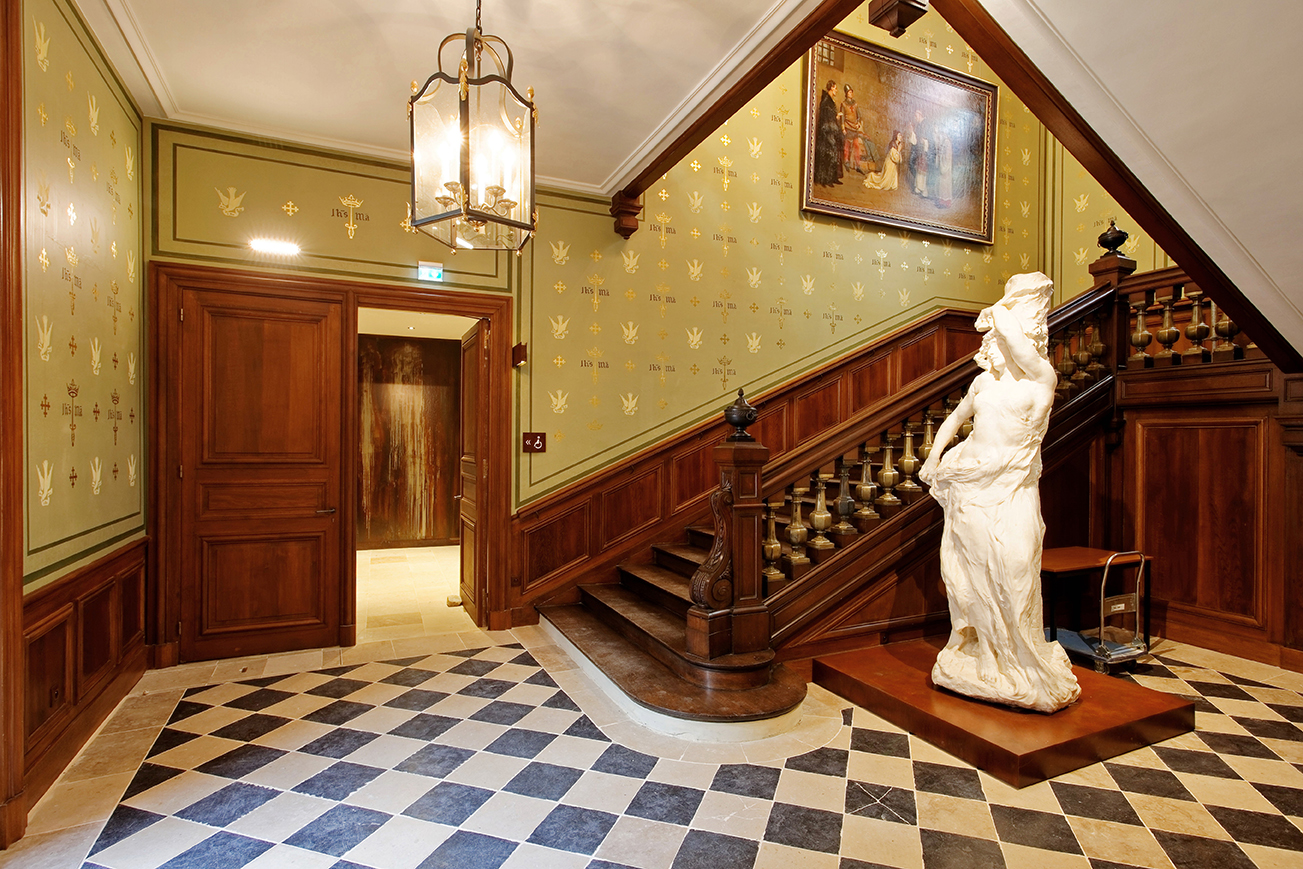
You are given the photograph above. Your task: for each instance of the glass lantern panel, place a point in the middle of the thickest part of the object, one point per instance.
(436, 151)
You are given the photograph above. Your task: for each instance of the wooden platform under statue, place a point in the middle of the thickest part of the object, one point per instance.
(1112, 717)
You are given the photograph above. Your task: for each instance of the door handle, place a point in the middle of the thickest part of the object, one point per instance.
(327, 510)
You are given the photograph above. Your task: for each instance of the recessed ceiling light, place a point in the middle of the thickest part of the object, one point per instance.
(277, 248)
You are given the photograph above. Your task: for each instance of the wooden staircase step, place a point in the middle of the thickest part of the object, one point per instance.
(662, 635)
(652, 685)
(672, 591)
(680, 558)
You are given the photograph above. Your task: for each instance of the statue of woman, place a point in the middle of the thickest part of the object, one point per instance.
(988, 490)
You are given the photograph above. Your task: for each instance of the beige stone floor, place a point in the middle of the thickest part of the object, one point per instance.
(404, 593)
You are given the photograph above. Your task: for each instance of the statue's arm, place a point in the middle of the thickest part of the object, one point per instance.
(1022, 351)
(945, 434)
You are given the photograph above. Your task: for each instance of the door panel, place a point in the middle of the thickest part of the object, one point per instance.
(260, 409)
(474, 452)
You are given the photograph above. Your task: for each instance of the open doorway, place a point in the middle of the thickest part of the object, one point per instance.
(408, 526)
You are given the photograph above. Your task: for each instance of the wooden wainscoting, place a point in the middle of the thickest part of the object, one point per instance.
(591, 526)
(85, 649)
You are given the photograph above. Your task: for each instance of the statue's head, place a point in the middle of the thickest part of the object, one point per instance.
(1028, 297)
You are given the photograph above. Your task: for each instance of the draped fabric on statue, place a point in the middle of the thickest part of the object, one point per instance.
(991, 562)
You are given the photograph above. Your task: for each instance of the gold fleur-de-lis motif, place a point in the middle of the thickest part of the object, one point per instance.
(754, 144)
(663, 220)
(131, 165)
(44, 260)
(43, 194)
(1082, 202)
(596, 280)
(724, 362)
(695, 202)
(694, 337)
(725, 162)
(42, 45)
(229, 203)
(595, 354)
(630, 261)
(560, 253)
(68, 79)
(558, 401)
(560, 326)
(94, 112)
(352, 203)
(630, 403)
(694, 269)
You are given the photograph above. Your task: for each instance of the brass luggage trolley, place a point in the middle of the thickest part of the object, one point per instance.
(1110, 644)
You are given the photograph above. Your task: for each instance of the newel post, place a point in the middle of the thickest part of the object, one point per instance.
(1112, 268)
(729, 613)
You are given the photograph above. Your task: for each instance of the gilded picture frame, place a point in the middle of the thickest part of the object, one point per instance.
(894, 140)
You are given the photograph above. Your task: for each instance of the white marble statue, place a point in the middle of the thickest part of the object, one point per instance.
(987, 487)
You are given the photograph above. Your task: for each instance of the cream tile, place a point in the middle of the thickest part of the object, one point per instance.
(72, 804)
(297, 706)
(289, 770)
(509, 816)
(1270, 858)
(239, 668)
(884, 842)
(110, 753)
(897, 772)
(367, 651)
(1095, 776)
(954, 815)
(529, 856)
(1232, 793)
(1038, 797)
(400, 843)
(281, 817)
(1244, 708)
(197, 751)
(1119, 843)
(641, 843)
(156, 844)
(775, 856)
(811, 790)
(58, 849)
(1176, 816)
(1022, 857)
(471, 734)
(143, 710)
(687, 774)
(572, 751)
(602, 791)
(178, 792)
(183, 676)
(921, 750)
(381, 719)
(1263, 771)
(732, 815)
(386, 751)
(391, 791)
(294, 735)
(1288, 749)
(487, 770)
(296, 662)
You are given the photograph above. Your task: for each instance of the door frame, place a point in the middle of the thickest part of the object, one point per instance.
(168, 280)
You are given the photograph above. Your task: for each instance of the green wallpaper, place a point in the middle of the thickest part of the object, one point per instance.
(729, 284)
(84, 373)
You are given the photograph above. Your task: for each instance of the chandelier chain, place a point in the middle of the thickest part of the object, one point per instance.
(478, 28)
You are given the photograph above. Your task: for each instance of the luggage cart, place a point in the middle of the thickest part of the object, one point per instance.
(1109, 645)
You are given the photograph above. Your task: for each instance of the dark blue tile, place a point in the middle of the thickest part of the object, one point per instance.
(603, 864)
(1140, 780)
(586, 729)
(425, 727)
(570, 828)
(882, 802)
(702, 850)
(465, 653)
(502, 712)
(435, 761)
(338, 781)
(448, 803)
(542, 679)
(147, 776)
(561, 700)
(198, 689)
(847, 715)
(619, 760)
(1205, 762)
(474, 668)
(169, 739)
(520, 743)
(1196, 852)
(953, 851)
(251, 727)
(338, 671)
(747, 780)
(672, 804)
(227, 805)
(340, 742)
(953, 781)
(409, 678)
(239, 762)
(406, 662)
(511, 646)
(848, 863)
(1099, 803)
(1044, 830)
(258, 700)
(265, 681)
(416, 700)
(823, 761)
(348, 864)
(125, 821)
(1259, 828)
(543, 780)
(463, 850)
(339, 712)
(337, 689)
(1221, 690)
(489, 689)
(1287, 800)
(1271, 729)
(1234, 743)
(524, 659)
(801, 827)
(185, 709)
(221, 849)
(338, 830)
(880, 742)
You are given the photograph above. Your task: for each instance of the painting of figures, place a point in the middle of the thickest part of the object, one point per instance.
(895, 140)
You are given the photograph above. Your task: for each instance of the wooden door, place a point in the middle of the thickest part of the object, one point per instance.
(260, 402)
(474, 453)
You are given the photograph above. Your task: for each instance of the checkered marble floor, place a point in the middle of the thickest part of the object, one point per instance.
(477, 759)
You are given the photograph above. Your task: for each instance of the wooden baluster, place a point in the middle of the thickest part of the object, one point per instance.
(1168, 334)
(844, 533)
(866, 518)
(1083, 377)
(820, 547)
(888, 477)
(796, 561)
(1226, 331)
(1141, 337)
(772, 551)
(1097, 349)
(908, 489)
(1196, 330)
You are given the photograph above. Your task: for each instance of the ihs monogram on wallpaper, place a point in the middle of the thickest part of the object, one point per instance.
(83, 296)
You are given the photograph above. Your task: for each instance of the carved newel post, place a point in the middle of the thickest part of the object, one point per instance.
(1109, 270)
(729, 613)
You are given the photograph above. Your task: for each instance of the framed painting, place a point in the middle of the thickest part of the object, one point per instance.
(894, 140)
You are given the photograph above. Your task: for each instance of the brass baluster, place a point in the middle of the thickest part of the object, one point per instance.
(1196, 330)
(820, 547)
(888, 477)
(1098, 348)
(795, 560)
(909, 465)
(1067, 368)
(843, 533)
(949, 406)
(866, 517)
(1168, 334)
(1060, 385)
(1226, 330)
(1141, 337)
(770, 551)
(929, 433)
(1082, 359)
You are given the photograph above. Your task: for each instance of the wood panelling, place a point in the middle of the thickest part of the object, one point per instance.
(84, 652)
(254, 583)
(553, 551)
(917, 358)
(1210, 383)
(225, 500)
(629, 508)
(962, 342)
(818, 408)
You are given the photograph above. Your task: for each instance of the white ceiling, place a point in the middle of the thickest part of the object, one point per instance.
(1200, 99)
(412, 324)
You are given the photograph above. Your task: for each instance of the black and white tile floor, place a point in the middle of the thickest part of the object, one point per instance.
(481, 758)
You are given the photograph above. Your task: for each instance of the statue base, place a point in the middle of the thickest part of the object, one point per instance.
(1018, 747)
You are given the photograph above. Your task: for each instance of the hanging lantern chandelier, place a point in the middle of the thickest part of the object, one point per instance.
(473, 149)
